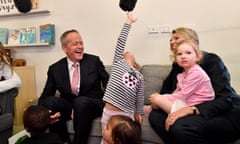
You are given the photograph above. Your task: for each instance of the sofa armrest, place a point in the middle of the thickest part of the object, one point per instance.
(7, 100)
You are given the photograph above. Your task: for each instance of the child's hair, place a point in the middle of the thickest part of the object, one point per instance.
(3, 56)
(195, 47)
(135, 64)
(36, 120)
(125, 130)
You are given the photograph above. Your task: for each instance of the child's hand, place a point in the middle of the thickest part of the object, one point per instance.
(54, 117)
(139, 118)
(154, 99)
(130, 18)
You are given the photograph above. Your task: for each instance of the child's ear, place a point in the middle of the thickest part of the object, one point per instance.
(127, 5)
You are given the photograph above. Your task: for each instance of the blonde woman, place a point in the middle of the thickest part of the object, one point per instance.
(215, 121)
(193, 84)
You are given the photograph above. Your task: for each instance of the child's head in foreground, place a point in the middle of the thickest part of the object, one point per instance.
(36, 120)
(122, 130)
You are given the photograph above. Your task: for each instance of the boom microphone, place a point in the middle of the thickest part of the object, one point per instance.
(127, 5)
(23, 6)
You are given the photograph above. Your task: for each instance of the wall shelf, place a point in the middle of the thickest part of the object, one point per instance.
(9, 46)
(32, 12)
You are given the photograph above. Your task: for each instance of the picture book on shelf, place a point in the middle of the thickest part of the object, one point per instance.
(3, 35)
(28, 35)
(47, 34)
(13, 36)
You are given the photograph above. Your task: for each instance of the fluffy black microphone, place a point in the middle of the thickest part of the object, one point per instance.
(23, 6)
(127, 5)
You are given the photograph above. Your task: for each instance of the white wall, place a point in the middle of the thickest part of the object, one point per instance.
(100, 21)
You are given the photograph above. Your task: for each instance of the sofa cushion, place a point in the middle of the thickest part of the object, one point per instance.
(108, 68)
(154, 76)
(148, 134)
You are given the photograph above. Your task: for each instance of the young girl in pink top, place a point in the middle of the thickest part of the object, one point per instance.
(193, 86)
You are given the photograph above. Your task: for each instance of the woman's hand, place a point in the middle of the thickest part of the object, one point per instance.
(172, 117)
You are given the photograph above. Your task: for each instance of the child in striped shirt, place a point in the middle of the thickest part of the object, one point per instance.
(124, 94)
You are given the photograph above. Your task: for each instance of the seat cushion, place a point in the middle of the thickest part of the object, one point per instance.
(148, 134)
(96, 127)
(6, 121)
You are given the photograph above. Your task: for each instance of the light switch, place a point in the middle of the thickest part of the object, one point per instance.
(153, 30)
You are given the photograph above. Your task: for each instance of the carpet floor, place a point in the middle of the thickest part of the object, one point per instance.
(17, 128)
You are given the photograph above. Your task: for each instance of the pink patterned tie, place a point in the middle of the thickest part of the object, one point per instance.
(75, 79)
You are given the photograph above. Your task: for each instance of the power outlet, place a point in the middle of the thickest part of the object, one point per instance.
(165, 29)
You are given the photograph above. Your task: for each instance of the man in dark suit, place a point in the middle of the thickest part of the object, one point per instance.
(85, 102)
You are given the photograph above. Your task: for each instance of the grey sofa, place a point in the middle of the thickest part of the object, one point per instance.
(153, 75)
(7, 114)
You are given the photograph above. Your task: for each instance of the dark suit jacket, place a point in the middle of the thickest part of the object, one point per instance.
(92, 77)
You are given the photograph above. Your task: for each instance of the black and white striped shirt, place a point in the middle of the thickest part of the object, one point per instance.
(125, 88)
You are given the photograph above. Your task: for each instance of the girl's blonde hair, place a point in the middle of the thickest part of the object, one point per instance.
(193, 45)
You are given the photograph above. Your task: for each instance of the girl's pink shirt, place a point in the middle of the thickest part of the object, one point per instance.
(193, 87)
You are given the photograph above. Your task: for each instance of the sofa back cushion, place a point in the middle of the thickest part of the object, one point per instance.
(154, 75)
(108, 68)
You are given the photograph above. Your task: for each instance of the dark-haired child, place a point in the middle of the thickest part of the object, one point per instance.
(122, 129)
(36, 120)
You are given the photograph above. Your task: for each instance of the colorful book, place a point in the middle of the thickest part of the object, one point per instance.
(28, 35)
(14, 36)
(3, 35)
(47, 34)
